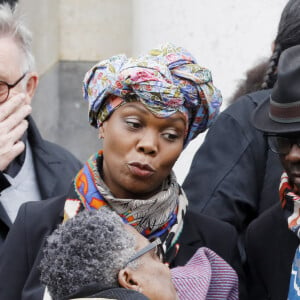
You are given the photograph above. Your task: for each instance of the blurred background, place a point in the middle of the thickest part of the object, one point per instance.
(70, 36)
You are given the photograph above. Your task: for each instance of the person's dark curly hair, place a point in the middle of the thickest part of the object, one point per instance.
(90, 248)
(253, 82)
(288, 35)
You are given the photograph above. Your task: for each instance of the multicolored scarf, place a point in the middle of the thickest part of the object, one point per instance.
(159, 216)
(291, 206)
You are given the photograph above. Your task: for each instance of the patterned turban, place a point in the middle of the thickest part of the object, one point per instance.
(166, 80)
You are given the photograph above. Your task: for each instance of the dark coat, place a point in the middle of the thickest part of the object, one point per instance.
(54, 166)
(111, 293)
(270, 248)
(234, 176)
(36, 220)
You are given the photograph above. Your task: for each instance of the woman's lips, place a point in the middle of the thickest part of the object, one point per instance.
(141, 170)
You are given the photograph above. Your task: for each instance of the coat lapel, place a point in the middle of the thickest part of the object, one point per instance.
(287, 244)
(45, 164)
(4, 217)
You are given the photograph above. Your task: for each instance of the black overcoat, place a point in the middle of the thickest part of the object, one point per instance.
(234, 176)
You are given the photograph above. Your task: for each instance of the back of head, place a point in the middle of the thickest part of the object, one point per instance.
(288, 35)
(11, 26)
(86, 250)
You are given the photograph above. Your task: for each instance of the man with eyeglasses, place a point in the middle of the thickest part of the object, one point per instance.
(272, 240)
(31, 169)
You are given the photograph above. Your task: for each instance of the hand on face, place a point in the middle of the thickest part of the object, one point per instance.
(13, 112)
(16, 107)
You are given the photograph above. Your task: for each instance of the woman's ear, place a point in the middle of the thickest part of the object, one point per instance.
(101, 132)
(129, 280)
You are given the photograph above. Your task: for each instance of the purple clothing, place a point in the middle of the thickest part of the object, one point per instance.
(205, 276)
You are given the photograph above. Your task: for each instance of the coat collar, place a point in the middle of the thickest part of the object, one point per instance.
(44, 161)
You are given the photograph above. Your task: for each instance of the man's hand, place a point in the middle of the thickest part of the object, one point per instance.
(12, 127)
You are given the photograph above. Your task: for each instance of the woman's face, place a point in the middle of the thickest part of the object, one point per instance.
(140, 150)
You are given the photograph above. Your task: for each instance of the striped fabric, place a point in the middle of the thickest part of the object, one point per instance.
(205, 276)
(290, 202)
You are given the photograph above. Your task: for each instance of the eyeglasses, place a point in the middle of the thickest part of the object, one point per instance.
(282, 144)
(6, 87)
(157, 244)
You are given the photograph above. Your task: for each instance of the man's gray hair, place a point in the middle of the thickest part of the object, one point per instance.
(91, 247)
(11, 25)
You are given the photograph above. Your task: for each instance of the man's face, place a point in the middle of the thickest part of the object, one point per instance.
(291, 160)
(10, 66)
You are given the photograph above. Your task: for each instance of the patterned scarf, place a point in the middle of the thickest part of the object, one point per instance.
(159, 216)
(291, 207)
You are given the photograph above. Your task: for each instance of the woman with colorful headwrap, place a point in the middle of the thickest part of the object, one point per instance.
(146, 110)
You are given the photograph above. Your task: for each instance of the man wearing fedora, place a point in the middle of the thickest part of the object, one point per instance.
(272, 240)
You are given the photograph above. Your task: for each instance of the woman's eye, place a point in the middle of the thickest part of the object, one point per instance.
(133, 124)
(171, 136)
(155, 255)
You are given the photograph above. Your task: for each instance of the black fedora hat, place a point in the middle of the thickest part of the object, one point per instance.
(280, 113)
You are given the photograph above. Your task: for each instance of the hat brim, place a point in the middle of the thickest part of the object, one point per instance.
(261, 120)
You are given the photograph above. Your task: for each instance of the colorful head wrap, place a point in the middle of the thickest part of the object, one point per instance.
(166, 80)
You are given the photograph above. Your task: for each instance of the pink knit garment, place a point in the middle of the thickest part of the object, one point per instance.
(205, 276)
